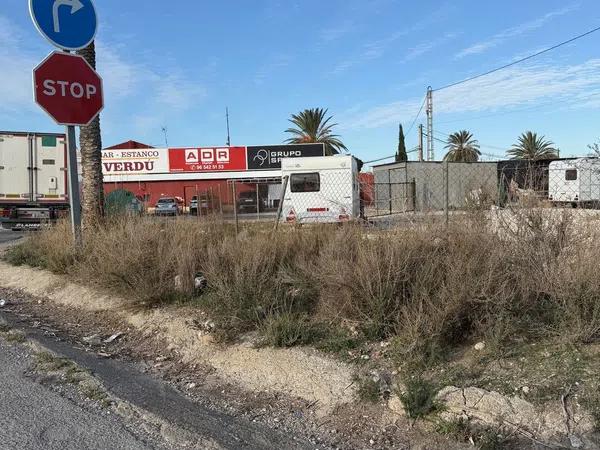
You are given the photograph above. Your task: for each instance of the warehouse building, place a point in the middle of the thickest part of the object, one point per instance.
(421, 185)
(206, 172)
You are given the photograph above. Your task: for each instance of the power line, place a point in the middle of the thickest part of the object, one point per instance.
(493, 147)
(516, 111)
(393, 156)
(519, 60)
(417, 116)
(492, 155)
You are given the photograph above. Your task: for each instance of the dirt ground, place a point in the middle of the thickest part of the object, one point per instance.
(349, 426)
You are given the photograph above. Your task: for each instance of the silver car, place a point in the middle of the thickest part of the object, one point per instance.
(167, 206)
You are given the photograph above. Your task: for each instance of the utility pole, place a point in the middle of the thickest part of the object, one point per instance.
(430, 151)
(228, 136)
(420, 152)
(164, 130)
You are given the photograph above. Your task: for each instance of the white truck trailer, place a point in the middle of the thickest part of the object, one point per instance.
(321, 189)
(33, 179)
(575, 181)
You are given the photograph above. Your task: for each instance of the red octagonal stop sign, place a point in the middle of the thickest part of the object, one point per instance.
(68, 89)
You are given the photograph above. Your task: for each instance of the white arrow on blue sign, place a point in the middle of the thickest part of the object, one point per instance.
(67, 24)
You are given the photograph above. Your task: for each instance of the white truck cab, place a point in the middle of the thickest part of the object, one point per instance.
(321, 189)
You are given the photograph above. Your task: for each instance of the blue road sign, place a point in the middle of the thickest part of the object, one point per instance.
(67, 24)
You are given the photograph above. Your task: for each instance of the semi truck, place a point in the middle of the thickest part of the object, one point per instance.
(33, 179)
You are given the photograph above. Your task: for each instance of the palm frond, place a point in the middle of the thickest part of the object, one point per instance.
(313, 125)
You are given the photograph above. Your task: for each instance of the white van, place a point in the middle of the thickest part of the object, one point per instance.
(575, 181)
(321, 189)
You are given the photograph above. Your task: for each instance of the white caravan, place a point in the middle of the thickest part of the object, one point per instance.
(321, 189)
(575, 181)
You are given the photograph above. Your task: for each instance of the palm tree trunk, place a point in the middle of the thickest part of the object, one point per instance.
(90, 143)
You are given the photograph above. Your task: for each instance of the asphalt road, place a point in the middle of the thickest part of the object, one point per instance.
(34, 417)
(9, 236)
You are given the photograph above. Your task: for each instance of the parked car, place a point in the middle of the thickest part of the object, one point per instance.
(194, 206)
(247, 202)
(205, 205)
(168, 206)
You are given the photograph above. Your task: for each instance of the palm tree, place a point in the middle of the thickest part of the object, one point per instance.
(312, 126)
(90, 143)
(532, 147)
(462, 147)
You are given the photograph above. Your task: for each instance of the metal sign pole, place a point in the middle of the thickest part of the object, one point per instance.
(281, 200)
(74, 200)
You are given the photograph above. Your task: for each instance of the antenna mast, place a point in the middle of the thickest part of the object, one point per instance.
(228, 136)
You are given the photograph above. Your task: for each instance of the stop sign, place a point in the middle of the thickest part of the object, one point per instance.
(68, 89)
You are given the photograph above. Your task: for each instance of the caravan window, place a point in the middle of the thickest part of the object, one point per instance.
(571, 174)
(305, 182)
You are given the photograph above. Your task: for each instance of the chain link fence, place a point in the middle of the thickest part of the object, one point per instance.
(407, 193)
(446, 190)
(328, 196)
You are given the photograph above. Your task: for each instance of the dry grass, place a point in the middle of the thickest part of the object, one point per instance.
(429, 290)
(50, 249)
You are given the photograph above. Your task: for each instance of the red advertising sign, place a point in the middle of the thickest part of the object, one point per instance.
(209, 159)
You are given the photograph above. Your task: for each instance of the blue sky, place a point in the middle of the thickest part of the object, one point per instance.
(178, 64)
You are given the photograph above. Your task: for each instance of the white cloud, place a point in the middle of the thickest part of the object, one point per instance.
(16, 87)
(120, 77)
(369, 51)
(124, 81)
(427, 46)
(375, 49)
(515, 31)
(516, 86)
(267, 69)
(338, 31)
(177, 93)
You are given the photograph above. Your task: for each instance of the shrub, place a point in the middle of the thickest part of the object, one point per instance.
(419, 398)
(26, 253)
(50, 248)
(368, 389)
(288, 330)
(430, 290)
(140, 258)
(261, 277)
(458, 428)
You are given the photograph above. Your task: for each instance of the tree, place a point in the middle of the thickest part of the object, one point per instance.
(401, 153)
(90, 144)
(532, 147)
(595, 148)
(312, 126)
(462, 147)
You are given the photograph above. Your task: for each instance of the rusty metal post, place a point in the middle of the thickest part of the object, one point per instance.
(257, 203)
(220, 201)
(235, 212)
